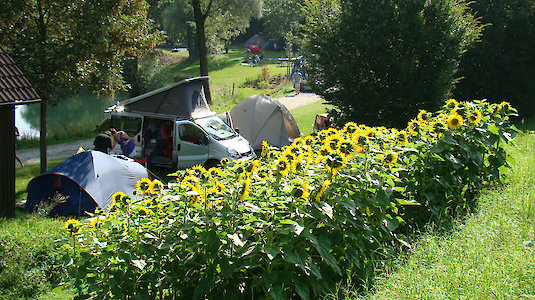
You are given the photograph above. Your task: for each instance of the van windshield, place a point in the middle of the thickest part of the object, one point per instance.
(216, 128)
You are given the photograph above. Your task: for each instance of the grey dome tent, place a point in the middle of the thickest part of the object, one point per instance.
(260, 118)
(82, 183)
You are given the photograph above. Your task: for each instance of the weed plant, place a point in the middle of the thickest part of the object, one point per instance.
(297, 221)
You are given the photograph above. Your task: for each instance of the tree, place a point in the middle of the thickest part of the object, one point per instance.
(379, 62)
(281, 16)
(61, 45)
(220, 19)
(502, 66)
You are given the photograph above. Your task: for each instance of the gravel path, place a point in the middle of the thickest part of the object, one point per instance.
(31, 156)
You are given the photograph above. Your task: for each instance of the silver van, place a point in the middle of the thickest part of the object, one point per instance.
(174, 127)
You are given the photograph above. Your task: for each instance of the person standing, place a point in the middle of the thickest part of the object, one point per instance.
(103, 142)
(297, 77)
(127, 144)
(17, 135)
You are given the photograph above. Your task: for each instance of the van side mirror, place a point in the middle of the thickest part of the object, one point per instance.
(237, 130)
(204, 140)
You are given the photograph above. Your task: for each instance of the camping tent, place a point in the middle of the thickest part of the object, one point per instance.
(82, 182)
(260, 118)
(259, 39)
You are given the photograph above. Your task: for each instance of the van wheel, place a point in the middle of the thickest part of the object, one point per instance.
(211, 163)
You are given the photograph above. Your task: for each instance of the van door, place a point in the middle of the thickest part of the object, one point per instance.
(131, 124)
(191, 145)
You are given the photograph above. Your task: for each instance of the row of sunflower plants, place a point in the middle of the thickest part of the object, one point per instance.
(296, 221)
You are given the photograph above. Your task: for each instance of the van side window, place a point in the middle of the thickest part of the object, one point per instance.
(190, 133)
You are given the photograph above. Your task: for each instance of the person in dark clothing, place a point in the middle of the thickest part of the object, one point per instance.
(103, 142)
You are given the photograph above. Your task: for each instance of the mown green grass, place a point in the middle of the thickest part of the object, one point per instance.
(490, 256)
(304, 116)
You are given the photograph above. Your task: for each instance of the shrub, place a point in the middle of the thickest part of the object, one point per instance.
(379, 63)
(296, 221)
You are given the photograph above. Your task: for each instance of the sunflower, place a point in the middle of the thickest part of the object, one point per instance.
(119, 199)
(157, 186)
(504, 107)
(265, 149)
(414, 127)
(219, 187)
(301, 191)
(454, 121)
(96, 223)
(474, 116)
(145, 211)
(214, 172)
(335, 164)
(144, 185)
(73, 226)
(401, 137)
(370, 132)
(332, 143)
(423, 116)
(246, 188)
(350, 127)
(283, 165)
(390, 159)
(322, 189)
(452, 105)
(347, 148)
(309, 141)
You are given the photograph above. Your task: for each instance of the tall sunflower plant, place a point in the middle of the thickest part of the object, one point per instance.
(297, 220)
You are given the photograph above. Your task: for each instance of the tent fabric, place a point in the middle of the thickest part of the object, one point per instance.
(83, 182)
(183, 99)
(260, 118)
(258, 39)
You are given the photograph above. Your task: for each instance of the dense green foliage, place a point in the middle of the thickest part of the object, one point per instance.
(297, 221)
(502, 66)
(378, 62)
(63, 44)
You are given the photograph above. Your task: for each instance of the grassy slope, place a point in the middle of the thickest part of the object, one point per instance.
(226, 72)
(491, 256)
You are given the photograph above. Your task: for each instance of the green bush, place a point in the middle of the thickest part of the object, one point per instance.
(297, 221)
(380, 62)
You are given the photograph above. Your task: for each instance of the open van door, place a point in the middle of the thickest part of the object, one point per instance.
(191, 145)
(132, 125)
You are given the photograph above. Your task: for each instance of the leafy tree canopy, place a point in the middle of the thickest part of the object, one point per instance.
(282, 16)
(378, 62)
(63, 44)
(502, 66)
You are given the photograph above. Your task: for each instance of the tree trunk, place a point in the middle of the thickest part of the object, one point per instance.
(42, 135)
(192, 45)
(200, 21)
(7, 162)
(44, 92)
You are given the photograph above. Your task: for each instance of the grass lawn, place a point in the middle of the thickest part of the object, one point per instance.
(304, 116)
(490, 256)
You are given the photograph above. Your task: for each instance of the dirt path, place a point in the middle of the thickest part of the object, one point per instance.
(31, 156)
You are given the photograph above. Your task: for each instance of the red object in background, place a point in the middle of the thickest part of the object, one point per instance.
(255, 49)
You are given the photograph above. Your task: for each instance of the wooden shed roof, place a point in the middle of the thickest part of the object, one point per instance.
(14, 88)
